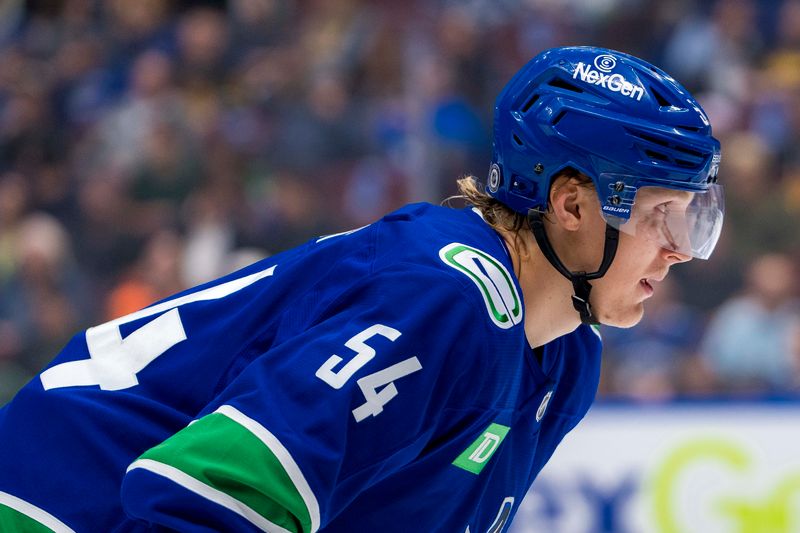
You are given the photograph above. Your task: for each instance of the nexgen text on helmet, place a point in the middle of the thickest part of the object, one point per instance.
(612, 82)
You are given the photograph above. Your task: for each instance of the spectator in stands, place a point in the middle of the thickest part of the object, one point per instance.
(645, 362)
(45, 297)
(753, 342)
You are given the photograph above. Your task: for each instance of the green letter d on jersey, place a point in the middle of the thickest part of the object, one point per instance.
(114, 361)
(491, 277)
(474, 458)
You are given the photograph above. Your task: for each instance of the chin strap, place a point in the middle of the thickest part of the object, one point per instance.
(580, 280)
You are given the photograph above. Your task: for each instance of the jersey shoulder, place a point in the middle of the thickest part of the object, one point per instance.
(457, 249)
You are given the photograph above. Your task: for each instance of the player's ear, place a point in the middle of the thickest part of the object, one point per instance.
(567, 203)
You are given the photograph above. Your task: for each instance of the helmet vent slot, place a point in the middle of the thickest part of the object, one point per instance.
(661, 150)
(529, 103)
(559, 117)
(693, 129)
(517, 140)
(651, 139)
(656, 155)
(564, 84)
(663, 102)
(689, 151)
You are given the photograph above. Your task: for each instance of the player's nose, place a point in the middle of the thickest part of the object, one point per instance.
(674, 257)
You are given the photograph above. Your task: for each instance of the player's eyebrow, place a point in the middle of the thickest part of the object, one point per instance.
(661, 194)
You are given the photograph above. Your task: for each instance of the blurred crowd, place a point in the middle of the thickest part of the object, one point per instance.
(149, 145)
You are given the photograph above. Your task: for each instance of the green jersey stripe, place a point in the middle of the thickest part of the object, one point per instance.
(19, 515)
(235, 455)
(281, 454)
(210, 493)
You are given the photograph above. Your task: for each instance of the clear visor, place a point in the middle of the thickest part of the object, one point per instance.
(680, 221)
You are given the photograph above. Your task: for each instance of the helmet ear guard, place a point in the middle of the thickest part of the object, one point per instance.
(616, 119)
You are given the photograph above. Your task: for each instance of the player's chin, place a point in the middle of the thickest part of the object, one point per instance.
(623, 316)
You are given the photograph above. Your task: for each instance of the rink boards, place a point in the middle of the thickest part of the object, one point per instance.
(712, 467)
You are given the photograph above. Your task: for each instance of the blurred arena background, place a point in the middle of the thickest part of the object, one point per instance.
(149, 145)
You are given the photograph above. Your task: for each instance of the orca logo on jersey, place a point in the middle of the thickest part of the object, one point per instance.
(490, 276)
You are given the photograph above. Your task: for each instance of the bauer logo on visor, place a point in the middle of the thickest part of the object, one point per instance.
(686, 222)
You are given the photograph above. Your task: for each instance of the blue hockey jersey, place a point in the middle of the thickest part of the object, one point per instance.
(375, 380)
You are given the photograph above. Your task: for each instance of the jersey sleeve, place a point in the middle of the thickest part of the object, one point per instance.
(314, 421)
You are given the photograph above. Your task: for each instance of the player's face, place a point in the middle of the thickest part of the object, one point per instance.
(640, 263)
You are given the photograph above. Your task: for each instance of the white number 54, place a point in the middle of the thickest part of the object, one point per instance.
(375, 399)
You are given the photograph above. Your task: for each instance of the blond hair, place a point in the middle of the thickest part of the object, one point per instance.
(500, 216)
(497, 214)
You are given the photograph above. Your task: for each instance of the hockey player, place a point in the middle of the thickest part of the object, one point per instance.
(411, 375)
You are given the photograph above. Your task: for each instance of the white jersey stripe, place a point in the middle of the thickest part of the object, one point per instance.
(283, 455)
(210, 493)
(215, 292)
(34, 513)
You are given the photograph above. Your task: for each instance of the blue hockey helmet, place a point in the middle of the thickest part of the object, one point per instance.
(625, 124)
(613, 117)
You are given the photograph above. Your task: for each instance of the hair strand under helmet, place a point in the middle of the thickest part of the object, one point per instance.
(613, 117)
